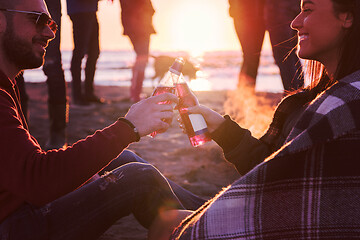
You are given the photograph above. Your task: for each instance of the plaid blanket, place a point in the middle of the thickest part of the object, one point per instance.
(309, 189)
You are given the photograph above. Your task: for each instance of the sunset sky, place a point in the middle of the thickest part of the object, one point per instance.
(185, 25)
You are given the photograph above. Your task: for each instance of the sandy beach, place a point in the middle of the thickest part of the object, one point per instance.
(202, 170)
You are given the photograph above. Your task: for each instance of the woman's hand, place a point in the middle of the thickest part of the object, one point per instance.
(149, 116)
(212, 118)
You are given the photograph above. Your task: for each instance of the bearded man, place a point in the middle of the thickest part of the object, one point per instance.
(43, 194)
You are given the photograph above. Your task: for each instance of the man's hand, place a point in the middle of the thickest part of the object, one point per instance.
(148, 116)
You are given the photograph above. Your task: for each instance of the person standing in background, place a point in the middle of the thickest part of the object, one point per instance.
(58, 107)
(136, 18)
(250, 28)
(251, 20)
(86, 42)
(57, 100)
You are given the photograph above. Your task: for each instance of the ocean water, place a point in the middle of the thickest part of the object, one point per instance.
(219, 70)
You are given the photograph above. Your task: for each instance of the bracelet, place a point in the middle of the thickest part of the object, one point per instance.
(122, 119)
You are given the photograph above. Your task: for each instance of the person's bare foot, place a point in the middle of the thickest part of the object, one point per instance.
(165, 223)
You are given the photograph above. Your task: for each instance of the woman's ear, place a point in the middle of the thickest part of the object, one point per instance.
(347, 19)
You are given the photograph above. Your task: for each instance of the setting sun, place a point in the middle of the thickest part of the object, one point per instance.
(186, 25)
(198, 26)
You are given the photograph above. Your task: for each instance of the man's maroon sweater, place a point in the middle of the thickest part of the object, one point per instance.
(30, 174)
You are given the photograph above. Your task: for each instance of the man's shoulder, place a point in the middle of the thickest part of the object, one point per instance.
(5, 97)
(5, 82)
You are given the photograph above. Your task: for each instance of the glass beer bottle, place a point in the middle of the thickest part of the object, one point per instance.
(167, 83)
(195, 124)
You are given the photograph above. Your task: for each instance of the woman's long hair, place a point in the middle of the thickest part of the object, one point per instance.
(350, 52)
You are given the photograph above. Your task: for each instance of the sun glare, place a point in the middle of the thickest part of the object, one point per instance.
(193, 26)
(201, 83)
(199, 26)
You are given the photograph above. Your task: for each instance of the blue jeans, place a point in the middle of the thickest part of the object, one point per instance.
(189, 200)
(89, 211)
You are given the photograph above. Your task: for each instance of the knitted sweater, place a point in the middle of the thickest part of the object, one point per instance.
(30, 174)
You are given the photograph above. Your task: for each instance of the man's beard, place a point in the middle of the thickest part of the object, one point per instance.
(19, 51)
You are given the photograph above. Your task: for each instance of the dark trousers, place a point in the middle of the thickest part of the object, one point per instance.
(57, 96)
(251, 21)
(250, 29)
(134, 186)
(53, 64)
(86, 42)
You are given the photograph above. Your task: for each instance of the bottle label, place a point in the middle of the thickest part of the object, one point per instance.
(198, 123)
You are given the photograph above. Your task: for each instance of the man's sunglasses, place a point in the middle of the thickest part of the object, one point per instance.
(42, 19)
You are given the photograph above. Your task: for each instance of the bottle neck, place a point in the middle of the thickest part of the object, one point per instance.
(177, 66)
(186, 97)
(175, 71)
